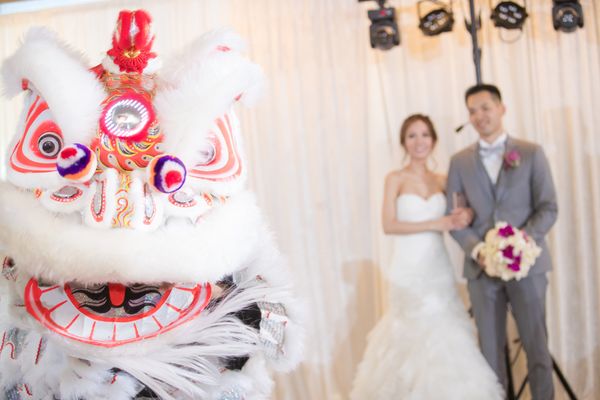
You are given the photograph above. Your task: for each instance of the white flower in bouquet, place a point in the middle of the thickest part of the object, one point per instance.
(508, 252)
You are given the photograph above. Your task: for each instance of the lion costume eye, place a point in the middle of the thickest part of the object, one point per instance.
(49, 144)
(37, 148)
(207, 153)
(221, 158)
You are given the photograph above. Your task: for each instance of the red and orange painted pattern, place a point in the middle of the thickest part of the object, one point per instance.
(26, 157)
(150, 209)
(124, 212)
(210, 198)
(189, 204)
(126, 155)
(100, 200)
(71, 199)
(227, 163)
(9, 345)
(123, 154)
(141, 83)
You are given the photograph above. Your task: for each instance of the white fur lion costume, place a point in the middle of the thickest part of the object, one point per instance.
(136, 265)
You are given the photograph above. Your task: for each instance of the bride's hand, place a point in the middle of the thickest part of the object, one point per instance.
(469, 215)
(462, 217)
(446, 223)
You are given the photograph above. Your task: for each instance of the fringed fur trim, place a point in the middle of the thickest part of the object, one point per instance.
(183, 363)
(273, 268)
(251, 382)
(59, 248)
(60, 75)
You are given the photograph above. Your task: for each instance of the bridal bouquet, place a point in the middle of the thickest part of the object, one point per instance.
(508, 252)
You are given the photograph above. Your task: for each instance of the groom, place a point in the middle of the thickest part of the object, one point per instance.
(505, 179)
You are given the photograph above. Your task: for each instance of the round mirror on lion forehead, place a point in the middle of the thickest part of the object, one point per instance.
(127, 117)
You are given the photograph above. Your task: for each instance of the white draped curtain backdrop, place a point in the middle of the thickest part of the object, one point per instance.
(325, 134)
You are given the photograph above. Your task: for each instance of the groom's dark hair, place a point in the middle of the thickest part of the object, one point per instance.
(484, 87)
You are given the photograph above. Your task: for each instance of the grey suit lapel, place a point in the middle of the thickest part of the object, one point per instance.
(480, 171)
(506, 172)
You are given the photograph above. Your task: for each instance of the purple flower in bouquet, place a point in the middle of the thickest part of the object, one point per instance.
(516, 264)
(508, 252)
(507, 231)
(512, 159)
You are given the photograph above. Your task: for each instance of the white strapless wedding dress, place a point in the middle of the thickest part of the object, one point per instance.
(424, 347)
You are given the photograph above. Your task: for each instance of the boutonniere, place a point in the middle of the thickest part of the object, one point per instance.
(512, 159)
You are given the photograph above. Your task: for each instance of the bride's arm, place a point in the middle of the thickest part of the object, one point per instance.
(463, 216)
(391, 225)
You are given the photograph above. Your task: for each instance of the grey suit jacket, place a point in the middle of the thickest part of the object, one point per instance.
(523, 196)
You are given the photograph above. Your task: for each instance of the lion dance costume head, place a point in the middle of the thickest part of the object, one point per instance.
(135, 263)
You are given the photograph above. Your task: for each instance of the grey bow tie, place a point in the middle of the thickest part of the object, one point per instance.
(497, 149)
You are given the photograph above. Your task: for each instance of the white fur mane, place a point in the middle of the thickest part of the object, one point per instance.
(59, 248)
(200, 85)
(61, 76)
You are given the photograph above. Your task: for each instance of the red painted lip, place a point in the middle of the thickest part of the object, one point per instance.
(59, 310)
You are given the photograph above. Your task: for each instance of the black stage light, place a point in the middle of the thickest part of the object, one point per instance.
(436, 21)
(567, 15)
(383, 31)
(509, 15)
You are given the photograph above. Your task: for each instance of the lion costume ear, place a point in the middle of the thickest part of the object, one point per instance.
(61, 77)
(62, 105)
(194, 104)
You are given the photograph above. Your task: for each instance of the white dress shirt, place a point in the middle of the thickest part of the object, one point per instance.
(492, 161)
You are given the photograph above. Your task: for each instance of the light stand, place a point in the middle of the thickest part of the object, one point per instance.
(511, 390)
(476, 48)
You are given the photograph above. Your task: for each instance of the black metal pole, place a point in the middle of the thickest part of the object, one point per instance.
(563, 380)
(476, 49)
(510, 395)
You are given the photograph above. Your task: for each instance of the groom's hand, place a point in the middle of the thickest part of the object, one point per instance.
(481, 261)
(477, 255)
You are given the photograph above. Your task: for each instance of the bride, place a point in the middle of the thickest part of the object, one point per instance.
(424, 347)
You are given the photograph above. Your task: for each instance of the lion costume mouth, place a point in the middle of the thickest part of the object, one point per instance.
(111, 315)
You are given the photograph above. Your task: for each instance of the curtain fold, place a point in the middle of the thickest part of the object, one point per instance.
(321, 141)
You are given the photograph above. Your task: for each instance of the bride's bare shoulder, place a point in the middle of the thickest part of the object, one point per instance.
(395, 177)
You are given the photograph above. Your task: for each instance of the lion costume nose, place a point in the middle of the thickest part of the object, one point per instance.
(166, 173)
(76, 163)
